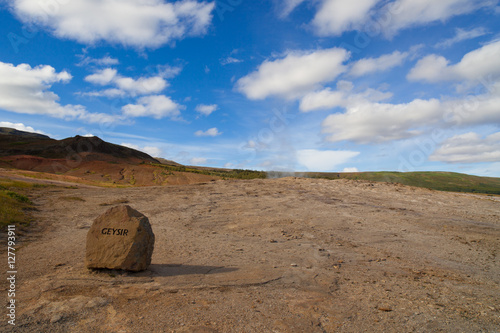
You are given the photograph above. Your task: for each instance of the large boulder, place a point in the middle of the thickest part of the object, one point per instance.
(121, 238)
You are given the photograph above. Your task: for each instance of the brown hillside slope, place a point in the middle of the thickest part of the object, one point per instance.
(90, 159)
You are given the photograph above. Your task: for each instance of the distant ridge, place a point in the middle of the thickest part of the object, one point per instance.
(14, 132)
(14, 142)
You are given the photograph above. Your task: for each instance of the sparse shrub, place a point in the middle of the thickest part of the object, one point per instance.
(18, 197)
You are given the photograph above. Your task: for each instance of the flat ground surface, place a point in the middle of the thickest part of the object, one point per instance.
(278, 255)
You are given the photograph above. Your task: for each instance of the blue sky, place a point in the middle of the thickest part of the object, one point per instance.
(289, 85)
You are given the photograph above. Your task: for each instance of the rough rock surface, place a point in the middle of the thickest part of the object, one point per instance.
(121, 238)
(273, 255)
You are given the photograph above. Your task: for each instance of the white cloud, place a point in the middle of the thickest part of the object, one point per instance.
(475, 65)
(380, 64)
(469, 148)
(324, 160)
(198, 160)
(110, 93)
(210, 132)
(102, 77)
(229, 60)
(20, 127)
(342, 97)
(461, 35)
(336, 16)
(408, 13)
(142, 85)
(153, 151)
(167, 71)
(294, 75)
(24, 89)
(288, 6)
(135, 23)
(322, 100)
(104, 61)
(352, 169)
(206, 109)
(156, 106)
(371, 123)
(128, 86)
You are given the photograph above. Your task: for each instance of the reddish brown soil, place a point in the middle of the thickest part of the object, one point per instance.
(101, 169)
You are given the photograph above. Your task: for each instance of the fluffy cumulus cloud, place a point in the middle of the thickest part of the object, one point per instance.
(380, 64)
(342, 97)
(102, 77)
(367, 120)
(469, 148)
(133, 23)
(125, 86)
(156, 106)
(335, 17)
(324, 160)
(475, 65)
(206, 109)
(26, 89)
(210, 132)
(372, 123)
(19, 127)
(294, 75)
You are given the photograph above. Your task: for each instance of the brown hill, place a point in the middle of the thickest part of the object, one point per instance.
(90, 148)
(89, 159)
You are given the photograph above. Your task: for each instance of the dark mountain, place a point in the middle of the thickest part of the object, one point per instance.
(14, 142)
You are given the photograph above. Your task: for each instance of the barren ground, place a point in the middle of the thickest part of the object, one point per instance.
(282, 255)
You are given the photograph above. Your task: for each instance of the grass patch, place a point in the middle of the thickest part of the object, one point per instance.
(234, 174)
(441, 181)
(19, 197)
(14, 204)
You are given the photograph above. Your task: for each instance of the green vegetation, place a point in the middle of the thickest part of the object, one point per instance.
(14, 204)
(441, 181)
(19, 197)
(235, 173)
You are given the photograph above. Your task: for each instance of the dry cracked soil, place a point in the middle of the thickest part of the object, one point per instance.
(276, 255)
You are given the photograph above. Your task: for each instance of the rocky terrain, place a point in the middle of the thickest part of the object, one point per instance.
(277, 255)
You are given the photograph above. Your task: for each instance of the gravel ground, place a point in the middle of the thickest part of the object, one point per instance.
(278, 255)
